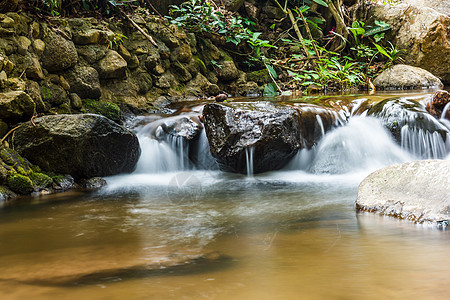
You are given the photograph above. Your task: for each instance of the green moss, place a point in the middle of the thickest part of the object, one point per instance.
(107, 109)
(41, 180)
(260, 77)
(200, 65)
(46, 93)
(64, 109)
(12, 158)
(22, 171)
(20, 184)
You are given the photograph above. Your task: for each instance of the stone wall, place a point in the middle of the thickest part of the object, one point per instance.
(66, 63)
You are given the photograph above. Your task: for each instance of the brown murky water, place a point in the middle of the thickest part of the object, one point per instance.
(273, 239)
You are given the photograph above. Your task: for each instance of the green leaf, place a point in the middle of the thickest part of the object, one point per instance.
(271, 71)
(376, 30)
(270, 90)
(382, 51)
(321, 2)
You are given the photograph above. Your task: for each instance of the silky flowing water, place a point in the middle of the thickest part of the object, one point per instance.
(174, 231)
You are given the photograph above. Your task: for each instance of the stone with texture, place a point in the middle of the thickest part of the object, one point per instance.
(438, 103)
(59, 54)
(228, 72)
(34, 70)
(418, 191)
(16, 105)
(422, 31)
(271, 130)
(112, 66)
(406, 77)
(84, 145)
(84, 81)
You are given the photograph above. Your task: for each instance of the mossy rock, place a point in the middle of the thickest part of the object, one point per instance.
(13, 159)
(41, 180)
(20, 184)
(260, 77)
(107, 109)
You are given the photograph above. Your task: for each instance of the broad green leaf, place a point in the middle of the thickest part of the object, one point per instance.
(382, 51)
(271, 71)
(321, 2)
(270, 90)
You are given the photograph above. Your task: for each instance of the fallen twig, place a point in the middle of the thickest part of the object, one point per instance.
(149, 37)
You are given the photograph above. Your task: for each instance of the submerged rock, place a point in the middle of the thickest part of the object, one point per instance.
(406, 77)
(84, 146)
(270, 131)
(417, 191)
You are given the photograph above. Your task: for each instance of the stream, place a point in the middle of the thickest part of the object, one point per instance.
(178, 230)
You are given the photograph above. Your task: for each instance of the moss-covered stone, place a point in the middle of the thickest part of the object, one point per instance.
(20, 184)
(260, 77)
(107, 109)
(40, 180)
(13, 159)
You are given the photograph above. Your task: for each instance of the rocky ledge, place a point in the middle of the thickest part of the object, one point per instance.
(418, 191)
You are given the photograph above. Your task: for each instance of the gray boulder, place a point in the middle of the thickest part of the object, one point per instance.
(84, 81)
(406, 77)
(59, 54)
(84, 146)
(418, 191)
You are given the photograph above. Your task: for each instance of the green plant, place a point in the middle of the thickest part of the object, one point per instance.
(116, 40)
(392, 53)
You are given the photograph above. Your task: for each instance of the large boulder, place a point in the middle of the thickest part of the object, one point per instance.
(422, 31)
(406, 77)
(59, 54)
(84, 146)
(84, 81)
(16, 105)
(270, 131)
(418, 191)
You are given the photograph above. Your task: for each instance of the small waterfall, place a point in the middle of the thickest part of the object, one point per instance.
(363, 144)
(249, 160)
(204, 159)
(445, 111)
(319, 121)
(424, 144)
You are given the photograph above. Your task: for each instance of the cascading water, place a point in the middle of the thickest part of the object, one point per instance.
(358, 144)
(362, 144)
(249, 160)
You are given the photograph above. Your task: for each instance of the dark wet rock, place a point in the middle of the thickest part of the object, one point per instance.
(84, 81)
(94, 183)
(16, 105)
(184, 126)
(53, 94)
(59, 54)
(401, 116)
(63, 183)
(6, 194)
(418, 191)
(272, 131)
(231, 5)
(438, 103)
(220, 97)
(83, 145)
(406, 77)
